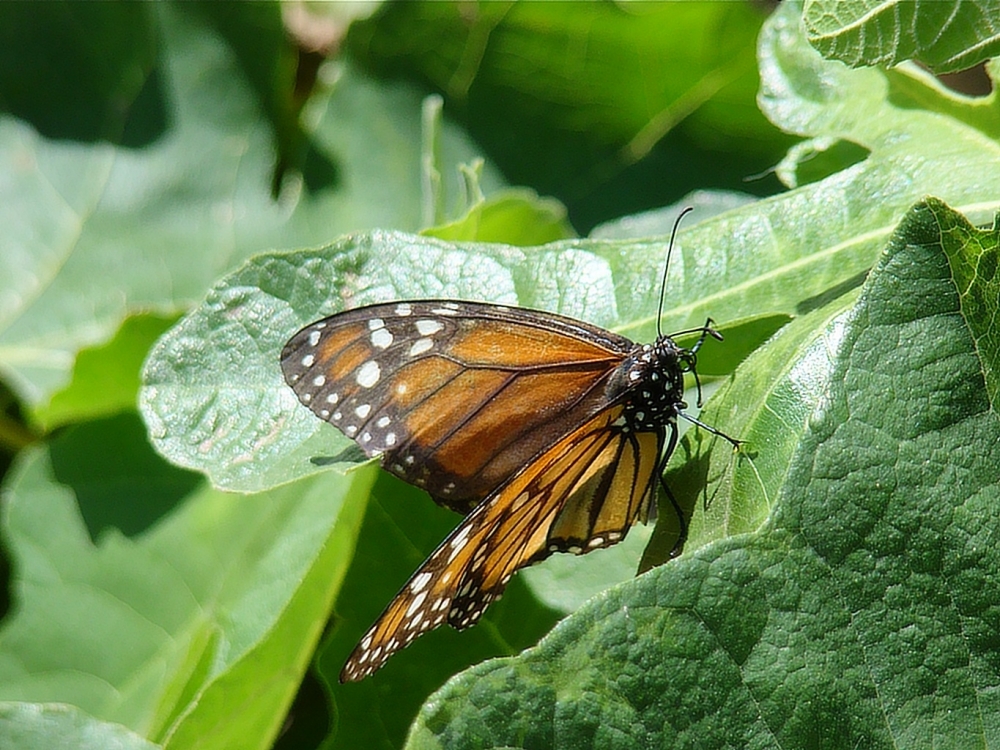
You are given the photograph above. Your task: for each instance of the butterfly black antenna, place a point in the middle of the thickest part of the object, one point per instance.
(666, 267)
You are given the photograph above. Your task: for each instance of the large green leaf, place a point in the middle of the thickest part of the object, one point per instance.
(945, 36)
(152, 175)
(214, 397)
(862, 613)
(148, 600)
(921, 138)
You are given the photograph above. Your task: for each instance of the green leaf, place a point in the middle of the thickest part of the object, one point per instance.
(105, 378)
(27, 726)
(165, 184)
(973, 257)
(861, 612)
(944, 36)
(213, 394)
(146, 599)
(914, 150)
(660, 221)
(515, 217)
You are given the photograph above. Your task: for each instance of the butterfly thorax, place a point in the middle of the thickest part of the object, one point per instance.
(650, 380)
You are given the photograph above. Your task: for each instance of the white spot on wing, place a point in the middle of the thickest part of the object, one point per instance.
(458, 542)
(460, 538)
(429, 327)
(381, 338)
(420, 346)
(403, 309)
(313, 338)
(415, 604)
(383, 421)
(319, 381)
(369, 374)
(419, 582)
(375, 323)
(390, 439)
(308, 360)
(363, 410)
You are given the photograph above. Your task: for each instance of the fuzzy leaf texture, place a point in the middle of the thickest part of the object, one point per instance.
(864, 612)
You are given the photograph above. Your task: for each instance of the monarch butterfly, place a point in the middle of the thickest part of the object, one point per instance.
(548, 432)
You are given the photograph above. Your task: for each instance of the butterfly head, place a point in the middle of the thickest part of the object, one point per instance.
(651, 382)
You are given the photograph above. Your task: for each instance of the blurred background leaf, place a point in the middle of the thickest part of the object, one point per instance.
(166, 183)
(613, 108)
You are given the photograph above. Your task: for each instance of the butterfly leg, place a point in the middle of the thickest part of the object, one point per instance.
(708, 428)
(689, 357)
(682, 526)
(682, 530)
(706, 331)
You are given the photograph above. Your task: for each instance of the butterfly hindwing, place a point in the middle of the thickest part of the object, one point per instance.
(432, 386)
(583, 493)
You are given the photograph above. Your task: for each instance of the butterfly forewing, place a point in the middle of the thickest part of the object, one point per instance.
(584, 492)
(457, 397)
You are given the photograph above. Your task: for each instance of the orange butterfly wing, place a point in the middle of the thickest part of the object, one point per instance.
(583, 493)
(456, 397)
